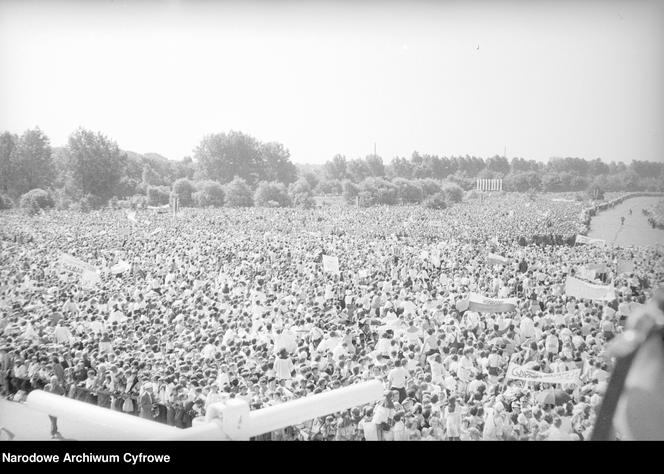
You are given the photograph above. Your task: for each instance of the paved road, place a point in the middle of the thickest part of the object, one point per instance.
(636, 231)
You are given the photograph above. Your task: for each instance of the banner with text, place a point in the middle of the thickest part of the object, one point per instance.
(75, 265)
(495, 259)
(522, 373)
(581, 289)
(482, 304)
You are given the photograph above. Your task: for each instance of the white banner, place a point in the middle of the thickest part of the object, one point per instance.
(90, 279)
(625, 266)
(75, 265)
(494, 259)
(585, 273)
(481, 304)
(120, 267)
(156, 231)
(132, 217)
(582, 239)
(580, 289)
(522, 373)
(330, 264)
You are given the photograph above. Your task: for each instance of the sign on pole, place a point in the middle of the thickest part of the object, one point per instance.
(330, 264)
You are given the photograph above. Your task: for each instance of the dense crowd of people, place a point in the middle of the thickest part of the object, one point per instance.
(235, 303)
(655, 215)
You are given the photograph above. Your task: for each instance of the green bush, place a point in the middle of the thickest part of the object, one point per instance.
(35, 200)
(408, 191)
(238, 194)
(158, 196)
(210, 193)
(183, 189)
(453, 193)
(271, 192)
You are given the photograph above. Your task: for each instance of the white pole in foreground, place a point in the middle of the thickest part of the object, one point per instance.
(237, 422)
(114, 424)
(308, 408)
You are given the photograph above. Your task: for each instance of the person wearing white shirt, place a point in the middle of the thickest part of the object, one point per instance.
(62, 334)
(397, 378)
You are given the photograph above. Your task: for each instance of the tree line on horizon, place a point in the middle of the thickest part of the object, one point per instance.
(236, 169)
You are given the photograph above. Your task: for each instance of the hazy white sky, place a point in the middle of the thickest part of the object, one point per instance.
(549, 78)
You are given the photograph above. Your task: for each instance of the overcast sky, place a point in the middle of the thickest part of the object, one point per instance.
(543, 79)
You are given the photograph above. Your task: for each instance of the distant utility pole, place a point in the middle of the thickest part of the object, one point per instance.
(374, 148)
(505, 152)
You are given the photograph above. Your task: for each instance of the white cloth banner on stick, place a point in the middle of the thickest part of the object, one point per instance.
(75, 265)
(495, 259)
(481, 304)
(156, 231)
(522, 373)
(581, 289)
(120, 267)
(330, 264)
(582, 239)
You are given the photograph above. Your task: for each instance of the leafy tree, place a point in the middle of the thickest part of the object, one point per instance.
(358, 170)
(329, 187)
(336, 168)
(350, 191)
(499, 165)
(221, 156)
(25, 162)
(311, 178)
(183, 189)
(376, 166)
(276, 160)
(401, 167)
(271, 192)
(95, 164)
(150, 177)
(8, 162)
(238, 194)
